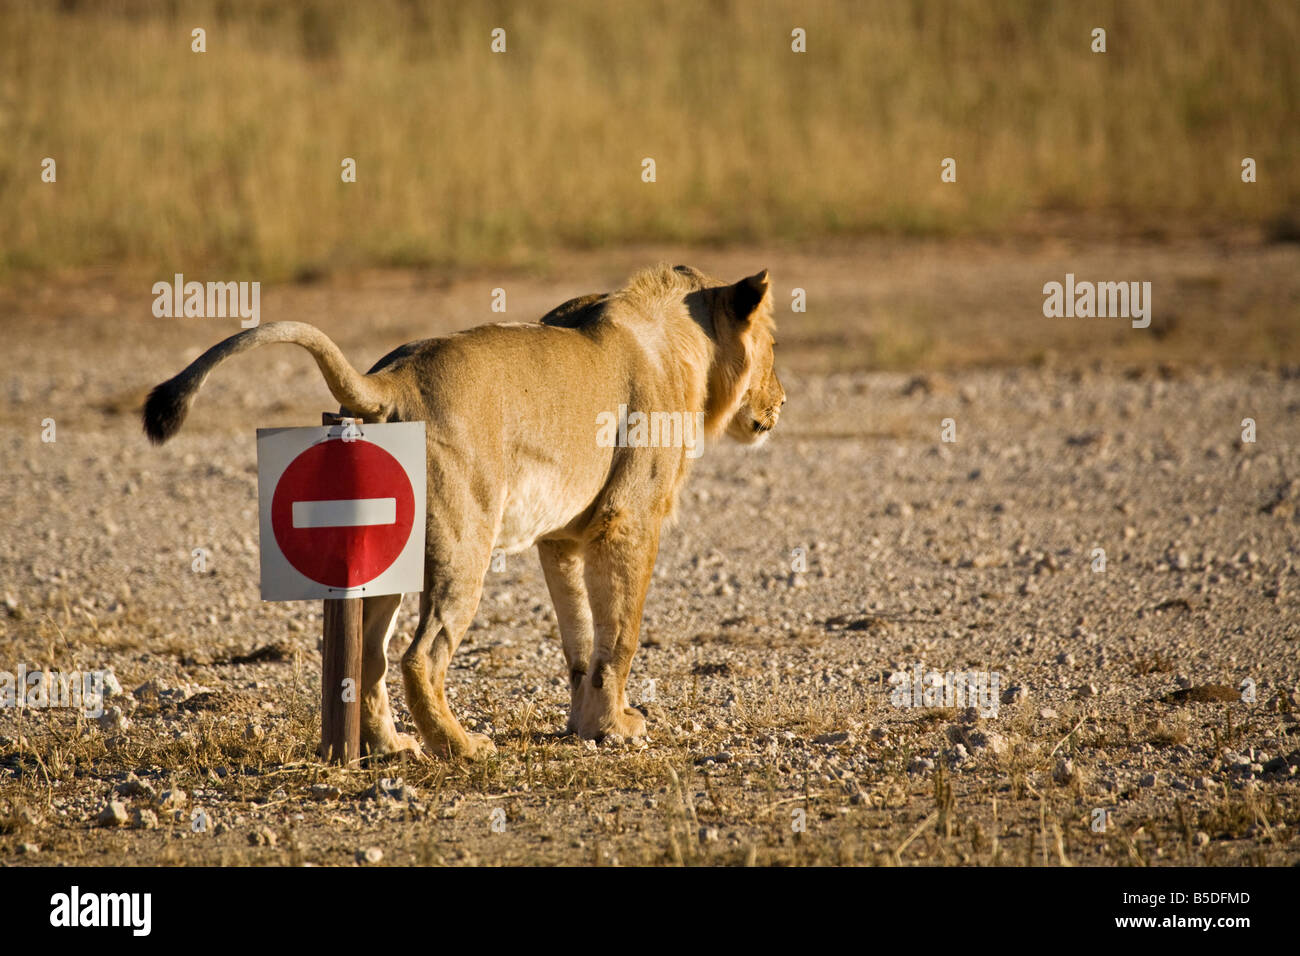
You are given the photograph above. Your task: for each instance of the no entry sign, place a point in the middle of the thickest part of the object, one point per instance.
(342, 510)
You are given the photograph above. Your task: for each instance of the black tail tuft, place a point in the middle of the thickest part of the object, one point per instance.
(164, 411)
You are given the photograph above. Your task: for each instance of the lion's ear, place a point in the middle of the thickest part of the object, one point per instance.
(748, 294)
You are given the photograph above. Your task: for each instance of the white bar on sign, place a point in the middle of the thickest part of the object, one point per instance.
(347, 513)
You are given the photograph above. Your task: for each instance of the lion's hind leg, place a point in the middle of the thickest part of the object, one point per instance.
(447, 606)
(378, 734)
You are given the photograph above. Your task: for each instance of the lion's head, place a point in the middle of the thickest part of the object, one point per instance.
(745, 394)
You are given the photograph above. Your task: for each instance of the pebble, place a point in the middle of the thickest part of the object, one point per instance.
(990, 739)
(113, 815)
(172, 800)
(370, 855)
(386, 788)
(133, 786)
(838, 737)
(114, 721)
(26, 816)
(144, 819)
(150, 689)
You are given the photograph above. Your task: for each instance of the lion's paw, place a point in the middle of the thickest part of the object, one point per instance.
(632, 723)
(627, 722)
(480, 746)
(406, 746)
(475, 747)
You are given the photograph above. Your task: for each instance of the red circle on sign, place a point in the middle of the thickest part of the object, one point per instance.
(336, 545)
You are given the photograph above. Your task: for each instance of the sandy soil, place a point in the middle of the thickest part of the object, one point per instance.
(1158, 696)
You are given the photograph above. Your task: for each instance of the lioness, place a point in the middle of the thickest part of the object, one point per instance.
(511, 416)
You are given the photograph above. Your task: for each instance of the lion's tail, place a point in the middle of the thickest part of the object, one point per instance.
(365, 396)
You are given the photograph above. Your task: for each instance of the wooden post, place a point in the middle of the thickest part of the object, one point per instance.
(340, 704)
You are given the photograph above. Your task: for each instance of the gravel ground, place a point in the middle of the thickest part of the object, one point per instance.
(1146, 713)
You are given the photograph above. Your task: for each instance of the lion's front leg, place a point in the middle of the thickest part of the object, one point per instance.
(562, 565)
(619, 562)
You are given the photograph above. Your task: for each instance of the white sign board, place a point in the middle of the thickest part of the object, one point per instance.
(341, 510)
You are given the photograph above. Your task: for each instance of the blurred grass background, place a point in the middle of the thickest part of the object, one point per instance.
(230, 159)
